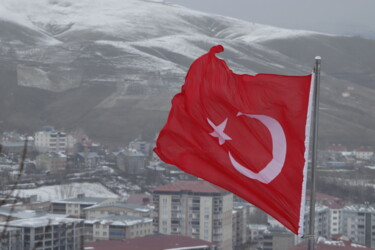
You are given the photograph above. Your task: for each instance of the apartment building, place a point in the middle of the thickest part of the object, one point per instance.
(75, 206)
(117, 227)
(241, 215)
(335, 219)
(322, 221)
(194, 208)
(49, 140)
(358, 223)
(49, 232)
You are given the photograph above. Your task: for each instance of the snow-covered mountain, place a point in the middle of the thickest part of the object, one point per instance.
(112, 66)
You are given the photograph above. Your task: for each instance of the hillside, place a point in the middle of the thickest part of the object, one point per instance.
(111, 68)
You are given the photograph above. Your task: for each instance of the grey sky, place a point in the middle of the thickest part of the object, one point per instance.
(353, 17)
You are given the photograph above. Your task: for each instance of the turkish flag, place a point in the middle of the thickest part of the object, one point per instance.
(247, 134)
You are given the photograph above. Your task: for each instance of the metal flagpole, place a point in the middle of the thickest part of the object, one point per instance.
(311, 243)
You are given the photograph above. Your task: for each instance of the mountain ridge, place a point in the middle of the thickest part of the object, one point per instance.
(114, 76)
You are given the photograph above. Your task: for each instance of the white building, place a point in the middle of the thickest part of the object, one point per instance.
(141, 146)
(364, 153)
(50, 141)
(117, 227)
(335, 218)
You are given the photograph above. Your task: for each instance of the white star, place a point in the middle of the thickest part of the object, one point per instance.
(219, 131)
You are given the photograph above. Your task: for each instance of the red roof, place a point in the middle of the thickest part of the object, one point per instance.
(154, 242)
(368, 150)
(334, 205)
(322, 197)
(192, 186)
(331, 245)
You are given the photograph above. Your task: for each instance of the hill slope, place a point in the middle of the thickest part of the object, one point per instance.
(112, 67)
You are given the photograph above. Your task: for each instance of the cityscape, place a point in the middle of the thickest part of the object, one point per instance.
(187, 125)
(128, 196)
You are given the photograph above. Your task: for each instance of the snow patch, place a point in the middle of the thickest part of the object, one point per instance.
(66, 191)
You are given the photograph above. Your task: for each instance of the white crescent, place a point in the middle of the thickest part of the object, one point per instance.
(274, 167)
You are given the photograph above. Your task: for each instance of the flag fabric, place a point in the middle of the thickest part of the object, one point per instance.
(247, 134)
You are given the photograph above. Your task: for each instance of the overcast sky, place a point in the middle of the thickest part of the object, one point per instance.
(354, 17)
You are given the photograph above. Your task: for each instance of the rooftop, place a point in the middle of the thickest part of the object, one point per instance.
(83, 200)
(334, 205)
(20, 213)
(134, 207)
(359, 208)
(119, 220)
(89, 155)
(154, 242)
(331, 245)
(240, 205)
(191, 186)
(51, 219)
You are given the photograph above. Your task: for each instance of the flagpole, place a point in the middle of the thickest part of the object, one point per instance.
(311, 243)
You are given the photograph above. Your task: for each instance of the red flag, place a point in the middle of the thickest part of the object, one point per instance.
(247, 134)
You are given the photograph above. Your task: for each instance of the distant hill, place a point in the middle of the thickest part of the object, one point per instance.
(112, 67)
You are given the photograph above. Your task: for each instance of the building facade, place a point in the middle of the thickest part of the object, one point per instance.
(196, 209)
(117, 227)
(74, 207)
(241, 215)
(277, 238)
(358, 223)
(11, 238)
(49, 232)
(50, 141)
(53, 161)
(322, 221)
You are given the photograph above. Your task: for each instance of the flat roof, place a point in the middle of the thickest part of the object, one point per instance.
(82, 200)
(154, 242)
(191, 186)
(119, 220)
(134, 207)
(50, 219)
